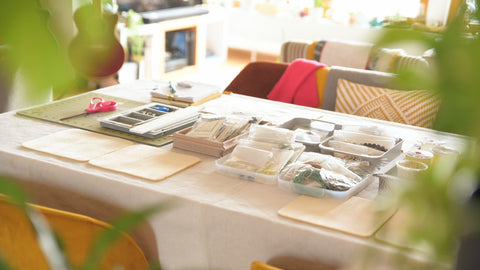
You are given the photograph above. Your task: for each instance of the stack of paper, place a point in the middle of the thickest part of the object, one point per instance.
(184, 93)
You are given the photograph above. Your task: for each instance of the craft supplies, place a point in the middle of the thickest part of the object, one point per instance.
(265, 175)
(259, 159)
(273, 135)
(184, 93)
(152, 120)
(221, 128)
(249, 158)
(214, 135)
(58, 109)
(355, 148)
(419, 155)
(321, 175)
(361, 150)
(410, 169)
(383, 143)
(389, 182)
(427, 144)
(445, 155)
(310, 132)
(203, 145)
(97, 104)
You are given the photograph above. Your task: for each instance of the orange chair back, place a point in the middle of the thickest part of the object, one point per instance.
(20, 249)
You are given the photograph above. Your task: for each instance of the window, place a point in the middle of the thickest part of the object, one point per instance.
(366, 10)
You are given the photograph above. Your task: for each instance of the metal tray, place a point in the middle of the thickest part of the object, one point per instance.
(375, 162)
(311, 142)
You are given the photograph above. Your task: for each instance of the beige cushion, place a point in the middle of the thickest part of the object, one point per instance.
(413, 107)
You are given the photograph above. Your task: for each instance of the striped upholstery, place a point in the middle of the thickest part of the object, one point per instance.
(363, 76)
(414, 107)
(361, 55)
(407, 62)
(395, 60)
(343, 53)
(383, 59)
(292, 50)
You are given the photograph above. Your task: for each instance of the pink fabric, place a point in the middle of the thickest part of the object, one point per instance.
(298, 84)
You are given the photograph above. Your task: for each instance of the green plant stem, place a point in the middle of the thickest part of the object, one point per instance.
(46, 239)
(123, 224)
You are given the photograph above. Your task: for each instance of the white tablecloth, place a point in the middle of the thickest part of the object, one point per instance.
(219, 222)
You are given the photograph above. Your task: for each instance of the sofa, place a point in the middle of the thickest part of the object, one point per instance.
(360, 55)
(415, 107)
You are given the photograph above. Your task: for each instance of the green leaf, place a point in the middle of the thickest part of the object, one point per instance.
(14, 192)
(4, 265)
(122, 224)
(47, 241)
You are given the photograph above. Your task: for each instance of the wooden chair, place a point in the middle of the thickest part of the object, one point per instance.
(257, 265)
(20, 249)
(257, 79)
(286, 262)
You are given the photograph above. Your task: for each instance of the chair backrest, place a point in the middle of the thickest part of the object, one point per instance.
(372, 94)
(258, 265)
(291, 50)
(291, 262)
(257, 79)
(19, 246)
(368, 77)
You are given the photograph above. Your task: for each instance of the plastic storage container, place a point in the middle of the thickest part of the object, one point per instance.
(322, 192)
(270, 179)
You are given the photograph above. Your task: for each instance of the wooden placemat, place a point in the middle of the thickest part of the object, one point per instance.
(77, 144)
(395, 232)
(356, 216)
(145, 161)
(56, 110)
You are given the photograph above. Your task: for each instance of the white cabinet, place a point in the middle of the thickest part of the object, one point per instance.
(209, 45)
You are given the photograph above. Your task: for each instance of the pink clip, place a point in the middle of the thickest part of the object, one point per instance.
(100, 105)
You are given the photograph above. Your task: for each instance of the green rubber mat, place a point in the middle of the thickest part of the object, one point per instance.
(59, 109)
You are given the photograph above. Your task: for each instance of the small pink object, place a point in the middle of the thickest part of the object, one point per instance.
(98, 104)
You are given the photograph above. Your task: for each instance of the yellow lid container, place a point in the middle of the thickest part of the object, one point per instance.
(419, 155)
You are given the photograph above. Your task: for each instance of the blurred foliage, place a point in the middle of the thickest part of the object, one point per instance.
(441, 217)
(135, 41)
(47, 240)
(33, 49)
(441, 214)
(30, 47)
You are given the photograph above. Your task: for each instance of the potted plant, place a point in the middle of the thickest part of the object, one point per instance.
(135, 46)
(27, 44)
(444, 214)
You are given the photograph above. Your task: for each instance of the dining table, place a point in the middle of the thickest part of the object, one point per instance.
(216, 221)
